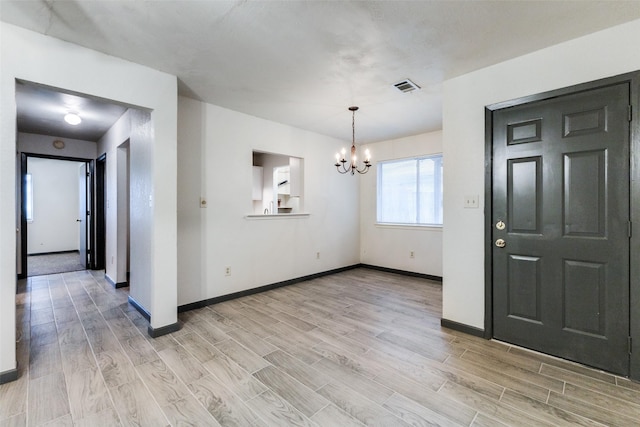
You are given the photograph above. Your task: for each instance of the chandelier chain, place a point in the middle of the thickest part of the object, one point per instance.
(353, 127)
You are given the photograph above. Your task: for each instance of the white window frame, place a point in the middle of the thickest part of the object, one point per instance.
(437, 194)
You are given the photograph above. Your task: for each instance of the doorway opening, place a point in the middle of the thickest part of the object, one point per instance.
(56, 194)
(44, 133)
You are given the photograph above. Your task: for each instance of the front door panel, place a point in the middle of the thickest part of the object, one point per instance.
(561, 189)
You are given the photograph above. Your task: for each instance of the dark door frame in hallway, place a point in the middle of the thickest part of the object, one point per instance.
(98, 261)
(23, 204)
(634, 202)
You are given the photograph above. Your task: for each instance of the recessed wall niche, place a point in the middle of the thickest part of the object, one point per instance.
(277, 184)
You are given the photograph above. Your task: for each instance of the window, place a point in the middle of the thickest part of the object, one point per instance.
(28, 190)
(410, 191)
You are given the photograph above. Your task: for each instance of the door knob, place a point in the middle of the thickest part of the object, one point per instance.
(501, 243)
(78, 220)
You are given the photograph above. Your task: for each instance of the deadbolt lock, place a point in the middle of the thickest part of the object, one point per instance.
(501, 243)
(500, 225)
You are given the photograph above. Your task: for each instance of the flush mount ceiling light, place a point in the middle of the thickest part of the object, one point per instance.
(341, 162)
(72, 119)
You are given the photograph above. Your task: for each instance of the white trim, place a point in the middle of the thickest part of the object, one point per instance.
(423, 227)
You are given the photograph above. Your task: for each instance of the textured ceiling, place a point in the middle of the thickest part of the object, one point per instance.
(303, 63)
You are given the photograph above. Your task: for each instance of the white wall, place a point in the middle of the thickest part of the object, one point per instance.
(602, 54)
(215, 161)
(55, 206)
(143, 199)
(33, 57)
(390, 246)
(116, 207)
(43, 144)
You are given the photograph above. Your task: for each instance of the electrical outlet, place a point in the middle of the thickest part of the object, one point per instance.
(317, 255)
(471, 202)
(411, 254)
(227, 271)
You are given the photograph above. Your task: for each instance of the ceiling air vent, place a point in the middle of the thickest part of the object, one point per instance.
(406, 86)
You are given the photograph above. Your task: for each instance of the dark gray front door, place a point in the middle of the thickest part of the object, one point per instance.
(561, 207)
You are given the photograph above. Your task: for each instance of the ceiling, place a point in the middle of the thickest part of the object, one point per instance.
(41, 110)
(303, 63)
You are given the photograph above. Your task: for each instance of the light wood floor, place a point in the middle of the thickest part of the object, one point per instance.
(357, 348)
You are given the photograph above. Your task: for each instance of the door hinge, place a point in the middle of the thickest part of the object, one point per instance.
(88, 174)
(629, 344)
(629, 112)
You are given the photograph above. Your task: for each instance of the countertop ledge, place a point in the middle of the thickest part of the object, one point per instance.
(278, 216)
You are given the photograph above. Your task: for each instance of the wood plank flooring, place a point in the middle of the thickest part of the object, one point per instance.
(356, 348)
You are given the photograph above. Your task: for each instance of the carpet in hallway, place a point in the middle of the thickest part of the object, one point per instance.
(63, 262)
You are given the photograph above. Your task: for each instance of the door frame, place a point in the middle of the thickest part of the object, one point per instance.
(633, 79)
(23, 203)
(98, 261)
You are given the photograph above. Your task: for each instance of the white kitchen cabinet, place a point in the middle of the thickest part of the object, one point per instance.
(295, 176)
(257, 183)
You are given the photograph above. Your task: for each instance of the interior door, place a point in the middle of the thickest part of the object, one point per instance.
(83, 214)
(561, 226)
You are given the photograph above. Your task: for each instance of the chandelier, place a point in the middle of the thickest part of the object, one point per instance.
(341, 162)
